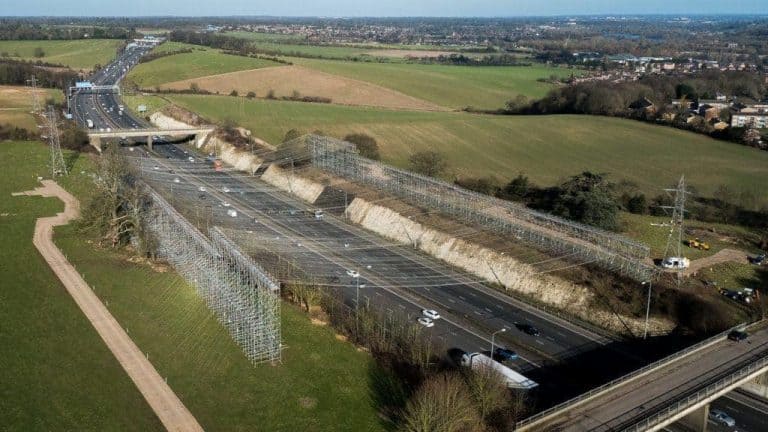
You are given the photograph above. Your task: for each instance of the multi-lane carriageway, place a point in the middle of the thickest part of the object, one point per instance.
(395, 277)
(402, 279)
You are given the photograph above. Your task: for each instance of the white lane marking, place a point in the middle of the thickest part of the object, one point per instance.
(539, 342)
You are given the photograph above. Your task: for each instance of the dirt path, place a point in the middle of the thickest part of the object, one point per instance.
(725, 255)
(171, 411)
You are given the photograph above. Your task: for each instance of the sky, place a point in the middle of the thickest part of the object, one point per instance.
(351, 8)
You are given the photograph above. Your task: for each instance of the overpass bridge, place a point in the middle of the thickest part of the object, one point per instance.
(677, 388)
(96, 137)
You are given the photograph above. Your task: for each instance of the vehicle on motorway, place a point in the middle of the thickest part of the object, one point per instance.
(426, 322)
(353, 273)
(319, 214)
(505, 354)
(722, 418)
(177, 180)
(226, 189)
(89, 122)
(232, 213)
(191, 159)
(431, 314)
(478, 361)
(201, 189)
(155, 167)
(225, 204)
(737, 335)
(528, 329)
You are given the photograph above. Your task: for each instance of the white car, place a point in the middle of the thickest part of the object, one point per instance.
(722, 418)
(177, 180)
(226, 189)
(232, 212)
(426, 322)
(431, 314)
(201, 189)
(353, 273)
(191, 159)
(225, 204)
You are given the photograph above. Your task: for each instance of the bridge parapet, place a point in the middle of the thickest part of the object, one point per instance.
(694, 401)
(531, 422)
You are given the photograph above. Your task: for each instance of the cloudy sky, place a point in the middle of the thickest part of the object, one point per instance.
(377, 7)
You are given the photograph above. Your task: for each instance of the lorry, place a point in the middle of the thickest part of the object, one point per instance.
(478, 361)
(89, 122)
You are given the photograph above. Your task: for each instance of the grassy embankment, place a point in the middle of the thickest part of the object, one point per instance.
(322, 384)
(546, 148)
(77, 54)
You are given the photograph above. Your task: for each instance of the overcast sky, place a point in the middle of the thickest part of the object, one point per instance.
(377, 7)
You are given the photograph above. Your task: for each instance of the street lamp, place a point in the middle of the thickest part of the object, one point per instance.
(493, 335)
(647, 308)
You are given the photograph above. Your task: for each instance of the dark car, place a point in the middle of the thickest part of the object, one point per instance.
(528, 329)
(505, 354)
(737, 335)
(758, 260)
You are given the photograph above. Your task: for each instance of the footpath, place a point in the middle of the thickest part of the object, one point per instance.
(168, 407)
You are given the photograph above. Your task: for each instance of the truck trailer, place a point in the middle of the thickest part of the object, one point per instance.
(513, 379)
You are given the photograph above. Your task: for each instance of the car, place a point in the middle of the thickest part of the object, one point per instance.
(722, 418)
(226, 189)
(201, 189)
(191, 159)
(353, 273)
(426, 322)
(431, 314)
(758, 260)
(177, 180)
(232, 212)
(155, 167)
(505, 354)
(528, 329)
(225, 204)
(737, 335)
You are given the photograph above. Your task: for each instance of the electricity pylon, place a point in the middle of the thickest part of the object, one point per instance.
(58, 167)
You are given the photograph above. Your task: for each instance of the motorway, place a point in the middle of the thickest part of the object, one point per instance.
(395, 277)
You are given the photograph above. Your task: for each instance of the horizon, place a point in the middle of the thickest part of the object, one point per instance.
(391, 9)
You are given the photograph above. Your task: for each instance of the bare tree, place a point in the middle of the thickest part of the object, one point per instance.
(429, 163)
(441, 404)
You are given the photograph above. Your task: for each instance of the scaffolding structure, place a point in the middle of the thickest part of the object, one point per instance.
(543, 231)
(245, 299)
(58, 167)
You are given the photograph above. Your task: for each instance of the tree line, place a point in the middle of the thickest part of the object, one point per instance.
(14, 72)
(13, 29)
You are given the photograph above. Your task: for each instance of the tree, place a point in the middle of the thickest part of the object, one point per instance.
(636, 204)
(251, 95)
(428, 163)
(517, 189)
(588, 198)
(488, 390)
(685, 90)
(366, 145)
(194, 87)
(233, 93)
(271, 94)
(441, 404)
(39, 53)
(483, 185)
(752, 137)
(291, 135)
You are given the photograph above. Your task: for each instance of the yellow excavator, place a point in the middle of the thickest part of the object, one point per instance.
(697, 244)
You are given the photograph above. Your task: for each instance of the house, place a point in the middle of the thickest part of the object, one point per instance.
(715, 103)
(643, 105)
(757, 121)
(718, 124)
(709, 112)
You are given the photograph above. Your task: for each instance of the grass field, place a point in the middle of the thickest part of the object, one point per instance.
(450, 86)
(77, 54)
(55, 370)
(323, 384)
(16, 103)
(546, 148)
(199, 63)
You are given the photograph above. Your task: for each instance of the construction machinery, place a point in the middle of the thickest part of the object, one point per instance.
(697, 244)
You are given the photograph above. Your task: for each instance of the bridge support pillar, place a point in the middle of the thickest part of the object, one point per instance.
(201, 140)
(697, 420)
(149, 142)
(95, 142)
(759, 386)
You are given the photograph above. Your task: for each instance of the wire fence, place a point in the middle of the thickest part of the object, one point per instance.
(543, 231)
(245, 299)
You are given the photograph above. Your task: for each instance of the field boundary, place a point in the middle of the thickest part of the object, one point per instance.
(164, 402)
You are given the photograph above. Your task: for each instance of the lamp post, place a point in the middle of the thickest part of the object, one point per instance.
(647, 308)
(493, 335)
